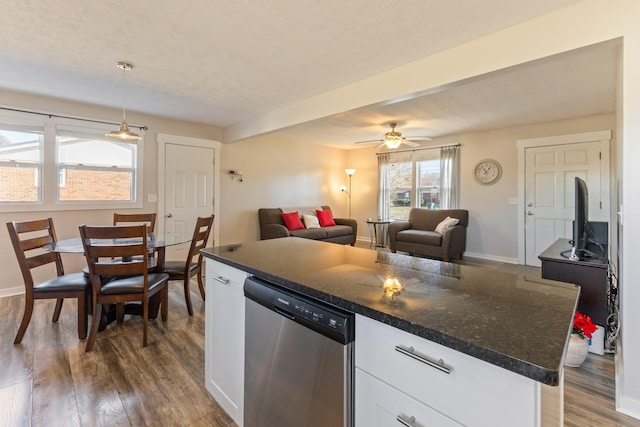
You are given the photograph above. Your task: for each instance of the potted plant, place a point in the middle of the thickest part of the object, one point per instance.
(583, 328)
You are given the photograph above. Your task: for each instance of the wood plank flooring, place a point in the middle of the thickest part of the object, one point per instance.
(48, 379)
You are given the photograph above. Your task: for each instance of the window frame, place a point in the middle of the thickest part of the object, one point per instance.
(26, 126)
(49, 178)
(415, 158)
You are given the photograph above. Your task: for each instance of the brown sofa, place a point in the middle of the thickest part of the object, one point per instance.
(418, 236)
(272, 226)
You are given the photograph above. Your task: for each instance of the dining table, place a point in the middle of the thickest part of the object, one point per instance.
(156, 242)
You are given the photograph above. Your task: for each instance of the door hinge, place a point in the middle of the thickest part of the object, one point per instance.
(600, 155)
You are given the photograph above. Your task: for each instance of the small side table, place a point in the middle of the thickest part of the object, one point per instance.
(379, 234)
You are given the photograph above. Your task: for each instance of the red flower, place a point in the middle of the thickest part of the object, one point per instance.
(583, 325)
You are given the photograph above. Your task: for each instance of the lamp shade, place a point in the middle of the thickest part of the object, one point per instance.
(124, 133)
(350, 171)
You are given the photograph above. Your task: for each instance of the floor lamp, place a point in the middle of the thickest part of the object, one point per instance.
(343, 188)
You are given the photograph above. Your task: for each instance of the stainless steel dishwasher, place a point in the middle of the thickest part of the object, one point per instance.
(298, 359)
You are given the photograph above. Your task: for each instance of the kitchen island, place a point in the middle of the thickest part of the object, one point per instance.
(501, 336)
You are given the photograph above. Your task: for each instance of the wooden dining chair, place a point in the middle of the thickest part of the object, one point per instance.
(185, 270)
(29, 239)
(125, 280)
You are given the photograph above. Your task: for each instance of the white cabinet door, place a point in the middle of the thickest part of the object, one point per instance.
(224, 337)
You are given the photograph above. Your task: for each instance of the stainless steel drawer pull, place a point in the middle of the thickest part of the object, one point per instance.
(221, 279)
(439, 365)
(405, 422)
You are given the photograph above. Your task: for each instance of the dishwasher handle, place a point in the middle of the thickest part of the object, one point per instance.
(284, 313)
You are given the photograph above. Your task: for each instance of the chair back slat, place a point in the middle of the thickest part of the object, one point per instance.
(143, 218)
(110, 269)
(42, 259)
(28, 244)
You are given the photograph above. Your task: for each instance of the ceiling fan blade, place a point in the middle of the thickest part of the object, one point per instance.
(368, 142)
(419, 138)
(381, 145)
(411, 144)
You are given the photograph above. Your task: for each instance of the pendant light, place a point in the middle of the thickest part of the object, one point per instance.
(124, 132)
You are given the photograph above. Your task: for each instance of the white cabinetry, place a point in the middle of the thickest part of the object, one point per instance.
(224, 337)
(400, 375)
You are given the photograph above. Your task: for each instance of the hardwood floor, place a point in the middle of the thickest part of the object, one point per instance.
(49, 380)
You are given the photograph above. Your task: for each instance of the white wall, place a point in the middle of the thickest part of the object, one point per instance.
(67, 222)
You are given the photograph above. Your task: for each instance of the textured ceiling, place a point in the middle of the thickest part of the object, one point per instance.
(225, 62)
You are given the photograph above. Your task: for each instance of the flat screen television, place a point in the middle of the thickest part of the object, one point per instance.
(581, 221)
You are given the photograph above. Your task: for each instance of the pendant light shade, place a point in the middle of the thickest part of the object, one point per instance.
(124, 133)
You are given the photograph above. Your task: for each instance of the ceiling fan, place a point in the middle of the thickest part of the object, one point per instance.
(393, 139)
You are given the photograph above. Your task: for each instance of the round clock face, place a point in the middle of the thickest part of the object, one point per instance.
(487, 171)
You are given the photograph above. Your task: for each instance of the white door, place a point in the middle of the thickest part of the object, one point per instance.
(549, 192)
(189, 190)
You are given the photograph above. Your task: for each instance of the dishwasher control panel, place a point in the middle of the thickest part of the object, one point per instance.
(322, 317)
(309, 311)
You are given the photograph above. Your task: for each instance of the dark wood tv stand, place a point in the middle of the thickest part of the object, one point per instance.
(591, 274)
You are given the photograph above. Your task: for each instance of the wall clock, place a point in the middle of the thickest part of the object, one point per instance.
(487, 171)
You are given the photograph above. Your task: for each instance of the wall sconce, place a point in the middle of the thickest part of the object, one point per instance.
(343, 188)
(235, 174)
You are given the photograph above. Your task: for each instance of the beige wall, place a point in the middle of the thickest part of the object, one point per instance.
(277, 173)
(66, 222)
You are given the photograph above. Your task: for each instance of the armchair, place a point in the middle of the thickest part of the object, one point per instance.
(418, 235)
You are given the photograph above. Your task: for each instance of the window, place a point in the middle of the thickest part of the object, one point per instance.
(94, 168)
(412, 179)
(57, 163)
(20, 164)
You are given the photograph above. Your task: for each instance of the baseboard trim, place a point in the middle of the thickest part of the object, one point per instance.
(491, 257)
(9, 292)
(628, 406)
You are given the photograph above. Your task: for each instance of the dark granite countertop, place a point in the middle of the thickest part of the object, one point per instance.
(512, 321)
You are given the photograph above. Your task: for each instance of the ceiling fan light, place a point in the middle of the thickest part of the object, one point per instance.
(392, 143)
(124, 133)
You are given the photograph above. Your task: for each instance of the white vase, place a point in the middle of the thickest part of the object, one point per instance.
(577, 351)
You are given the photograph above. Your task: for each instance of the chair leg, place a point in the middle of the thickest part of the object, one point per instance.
(201, 285)
(145, 320)
(57, 310)
(187, 296)
(26, 318)
(164, 313)
(82, 316)
(120, 312)
(95, 322)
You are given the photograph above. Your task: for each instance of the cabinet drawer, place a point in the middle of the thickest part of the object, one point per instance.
(380, 405)
(225, 274)
(473, 392)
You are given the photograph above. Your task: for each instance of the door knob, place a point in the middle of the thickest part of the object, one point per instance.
(530, 213)
(169, 216)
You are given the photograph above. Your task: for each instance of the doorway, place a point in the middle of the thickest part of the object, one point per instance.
(187, 186)
(547, 167)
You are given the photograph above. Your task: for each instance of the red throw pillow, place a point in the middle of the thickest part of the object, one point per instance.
(292, 220)
(325, 218)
